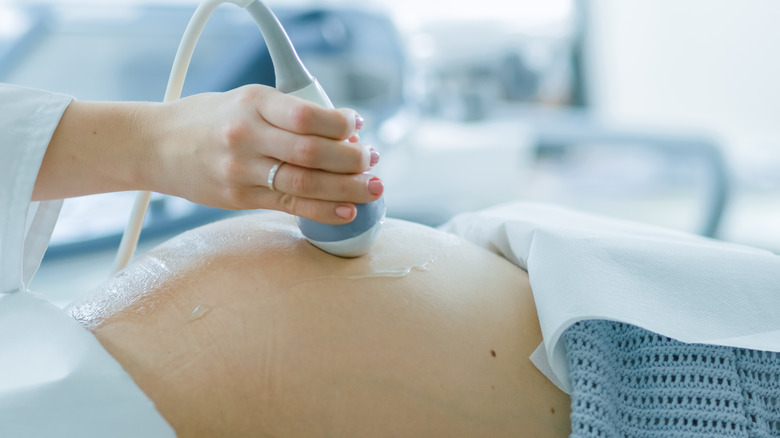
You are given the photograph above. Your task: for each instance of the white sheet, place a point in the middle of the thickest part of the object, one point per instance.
(583, 266)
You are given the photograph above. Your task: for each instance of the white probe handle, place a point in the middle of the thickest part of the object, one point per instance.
(313, 93)
(181, 63)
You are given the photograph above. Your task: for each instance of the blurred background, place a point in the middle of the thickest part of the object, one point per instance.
(663, 112)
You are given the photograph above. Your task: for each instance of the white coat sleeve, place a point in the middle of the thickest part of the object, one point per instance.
(55, 377)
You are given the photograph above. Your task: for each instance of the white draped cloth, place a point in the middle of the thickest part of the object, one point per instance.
(55, 377)
(584, 266)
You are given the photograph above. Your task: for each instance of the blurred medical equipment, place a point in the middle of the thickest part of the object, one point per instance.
(347, 240)
(672, 160)
(570, 130)
(517, 103)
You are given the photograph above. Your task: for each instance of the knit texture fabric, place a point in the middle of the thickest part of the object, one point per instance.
(629, 382)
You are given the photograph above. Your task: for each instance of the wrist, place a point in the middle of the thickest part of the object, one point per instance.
(145, 135)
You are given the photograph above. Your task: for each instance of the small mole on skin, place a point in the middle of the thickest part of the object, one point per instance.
(493, 387)
(552, 410)
(94, 132)
(493, 353)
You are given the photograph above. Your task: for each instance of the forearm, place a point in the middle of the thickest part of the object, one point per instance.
(99, 147)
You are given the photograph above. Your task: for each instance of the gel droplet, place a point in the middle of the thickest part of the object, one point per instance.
(198, 312)
(393, 272)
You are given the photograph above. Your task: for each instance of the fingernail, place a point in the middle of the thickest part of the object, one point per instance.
(375, 186)
(374, 157)
(344, 211)
(358, 121)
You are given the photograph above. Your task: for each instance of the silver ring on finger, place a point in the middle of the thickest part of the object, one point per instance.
(272, 175)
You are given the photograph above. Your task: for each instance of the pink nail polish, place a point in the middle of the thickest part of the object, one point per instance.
(358, 121)
(344, 211)
(374, 157)
(375, 186)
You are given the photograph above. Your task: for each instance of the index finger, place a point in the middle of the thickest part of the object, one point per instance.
(300, 116)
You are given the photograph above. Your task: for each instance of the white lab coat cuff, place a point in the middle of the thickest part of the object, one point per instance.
(28, 119)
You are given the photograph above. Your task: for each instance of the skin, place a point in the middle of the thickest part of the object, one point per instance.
(242, 328)
(215, 149)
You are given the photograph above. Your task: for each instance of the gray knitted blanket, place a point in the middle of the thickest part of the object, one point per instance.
(629, 382)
